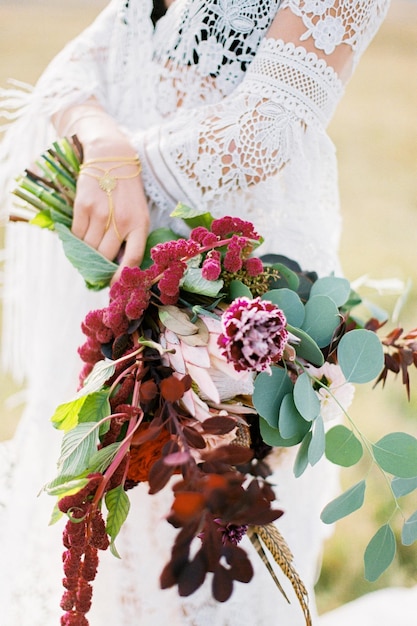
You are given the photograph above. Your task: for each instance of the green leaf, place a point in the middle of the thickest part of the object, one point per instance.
(96, 270)
(159, 235)
(66, 415)
(403, 486)
(396, 453)
(301, 460)
(321, 319)
(342, 446)
(78, 446)
(95, 407)
(345, 504)
(409, 532)
(307, 349)
(55, 516)
(238, 290)
(269, 391)
(379, 553)
(43, 219)
(291, 423)
(272, 436)
(305, 398)
(318, 440)
(118, 506)
(289, 302)
(100, 374)
(334, 287)
(291, 277)
(192, 217)
(193, 282)
(101, 460)
(61, 486)
(360, 355)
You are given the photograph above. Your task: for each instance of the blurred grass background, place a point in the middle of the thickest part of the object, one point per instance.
(375, 132)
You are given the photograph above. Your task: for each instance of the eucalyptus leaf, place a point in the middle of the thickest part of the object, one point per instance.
(403, 486)
(396, 453)
(306, 348)
(289, 302)
(409, 531)
(345, 504)
(194, 282)
(321, 319)
(342, 446)
(272, 436)
(78, 446)
(334, 287)
(290, 277)
(360, 355)
(379, 553)
(305, 398)
(318, 441)
(96, 270)
(269, 391)
(238, 290)
(291, 423)
(118, 505)
(301, 460)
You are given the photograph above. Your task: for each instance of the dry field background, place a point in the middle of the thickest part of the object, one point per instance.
(375, 132)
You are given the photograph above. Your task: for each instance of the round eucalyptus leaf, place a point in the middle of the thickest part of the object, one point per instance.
(238, 290)
(269, 391)
(289, 302)
(409, 532)
(360, 355)
(301, 460)
(291, 423)
(345, 504)
(321, 319)
(306, 348)
(342, 446)
(305, 398)
(318, 441)
(272, 436)
(334, 287)
(379, 553)
(396, 453)
(403, 486)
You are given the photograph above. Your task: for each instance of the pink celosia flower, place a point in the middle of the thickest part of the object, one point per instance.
(254, 266)
(253, 334)
(211, 267)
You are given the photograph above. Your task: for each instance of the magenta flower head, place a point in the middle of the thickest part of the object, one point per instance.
(253, 334)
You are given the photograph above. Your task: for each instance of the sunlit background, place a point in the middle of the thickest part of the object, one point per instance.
(375, 132)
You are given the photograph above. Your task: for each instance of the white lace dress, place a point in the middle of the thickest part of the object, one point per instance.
(225, 118)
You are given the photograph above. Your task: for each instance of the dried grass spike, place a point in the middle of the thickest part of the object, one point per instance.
(277, 546)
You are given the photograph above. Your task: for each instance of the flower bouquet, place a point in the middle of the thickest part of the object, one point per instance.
(206, 359)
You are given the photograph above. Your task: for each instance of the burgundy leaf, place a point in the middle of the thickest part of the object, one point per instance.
(218, 425)
(192, 576)
(222, 586)
(240, 566)
(159, 475)
(234, 455)
(193, 438)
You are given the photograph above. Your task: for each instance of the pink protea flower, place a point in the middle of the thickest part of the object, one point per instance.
(253, 334)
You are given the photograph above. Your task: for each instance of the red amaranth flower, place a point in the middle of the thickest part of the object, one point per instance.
(253, 334)
(253, 266)
(211, 267)
(201, 235)
(227, 225)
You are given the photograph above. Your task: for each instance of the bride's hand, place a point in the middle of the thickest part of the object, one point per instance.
(106, 219)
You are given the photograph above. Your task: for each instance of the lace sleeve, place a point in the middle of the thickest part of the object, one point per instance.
(292, 86)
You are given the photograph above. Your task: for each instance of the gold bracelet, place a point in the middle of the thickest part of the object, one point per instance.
(108, 181)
